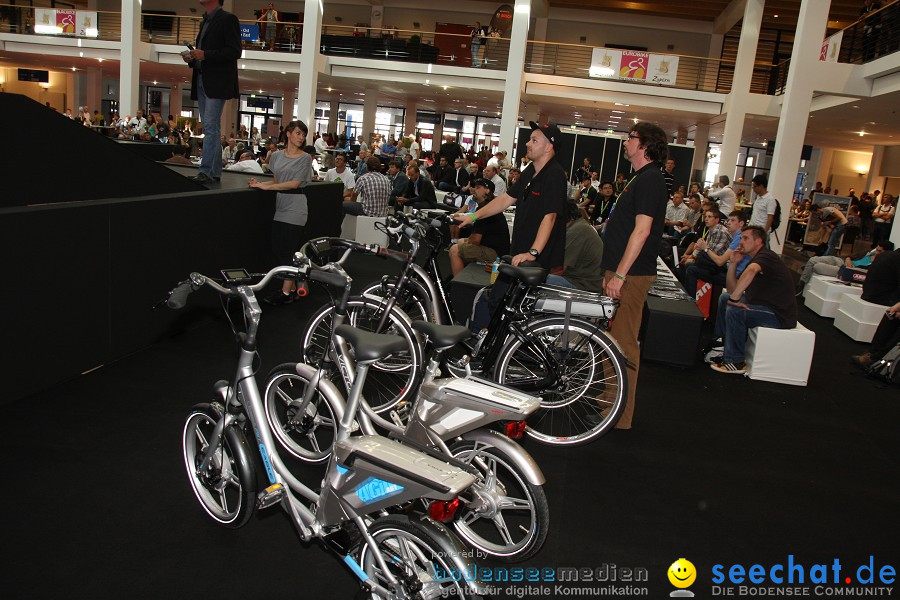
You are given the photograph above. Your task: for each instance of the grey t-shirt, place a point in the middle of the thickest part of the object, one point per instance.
(291, 208)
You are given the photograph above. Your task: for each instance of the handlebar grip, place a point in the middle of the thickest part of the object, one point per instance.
(328, 278)
(178, 296)
(395, 254)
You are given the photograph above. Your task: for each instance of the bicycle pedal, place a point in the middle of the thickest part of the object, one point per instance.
(269, 496)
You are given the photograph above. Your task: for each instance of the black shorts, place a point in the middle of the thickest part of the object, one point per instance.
(286, 240)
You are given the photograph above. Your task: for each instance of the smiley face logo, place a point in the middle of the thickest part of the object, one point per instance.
(682, 573)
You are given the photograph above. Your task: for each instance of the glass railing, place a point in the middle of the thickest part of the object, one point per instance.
(875, 35)
(575, 60)
(412, 46)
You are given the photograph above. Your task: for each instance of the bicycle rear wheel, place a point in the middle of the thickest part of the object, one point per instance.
(390, 381)
(416, 308)
(576, 369)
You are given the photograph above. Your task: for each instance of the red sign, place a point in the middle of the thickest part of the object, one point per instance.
(65, 20)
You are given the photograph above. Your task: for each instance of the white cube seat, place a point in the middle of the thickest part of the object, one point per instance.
(367, 233)
(858, 318)
(780, 355)
(824, 293)
(348, 227)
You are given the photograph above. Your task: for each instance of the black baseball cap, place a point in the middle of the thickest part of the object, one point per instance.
(486, 183)
(551, 131)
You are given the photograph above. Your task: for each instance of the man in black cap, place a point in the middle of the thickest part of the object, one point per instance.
(489, 237)
(539, 233)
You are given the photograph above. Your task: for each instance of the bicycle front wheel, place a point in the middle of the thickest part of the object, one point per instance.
(390, 381)
(307, 434)
(226, 485)
(578, 372)
(416, 308)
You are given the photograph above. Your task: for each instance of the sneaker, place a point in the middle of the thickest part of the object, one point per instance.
(714, 356)
(713, 344)
(280, 297)
(730, 368)
(862, 360)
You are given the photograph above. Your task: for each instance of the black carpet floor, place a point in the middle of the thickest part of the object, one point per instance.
(718, 469)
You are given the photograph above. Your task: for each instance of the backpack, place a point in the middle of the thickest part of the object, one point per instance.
(776, 218)
(888, 368)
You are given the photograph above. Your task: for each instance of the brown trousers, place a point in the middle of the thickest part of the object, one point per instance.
(625, 328)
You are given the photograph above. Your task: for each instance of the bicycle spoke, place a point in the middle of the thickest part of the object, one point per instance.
(510, 503)
(500, 524)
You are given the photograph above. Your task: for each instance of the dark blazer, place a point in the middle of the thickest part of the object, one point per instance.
(221, 48)
(400, 184)
(425, 192)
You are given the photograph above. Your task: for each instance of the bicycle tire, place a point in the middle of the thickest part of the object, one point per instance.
(594, 384)
(226, 491)
(311, 438)
(510, 504)
(390, 381)
(414, 307)
(414, 554)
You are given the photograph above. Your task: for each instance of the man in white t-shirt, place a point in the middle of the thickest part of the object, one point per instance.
(414, 149)
(341, 173)
(490, 172)
(723, 195)
(764, 206)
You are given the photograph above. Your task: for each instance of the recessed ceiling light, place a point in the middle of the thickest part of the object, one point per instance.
(285, 73)
(622, 112)
(329, 89)
(620, 104)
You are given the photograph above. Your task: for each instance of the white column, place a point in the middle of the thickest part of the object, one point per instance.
(740, 86)
(228, 120)
(71, 93)
(874, 180)
(409, 124)
(130, 64)
(309, 61)
(795, 109)
(287, 108)
(333, 116)
(94, 86)
(370, 107)
(515, 75)
(825, 167)
(701, 147)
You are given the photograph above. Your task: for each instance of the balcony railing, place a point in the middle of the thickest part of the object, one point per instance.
(574, 60)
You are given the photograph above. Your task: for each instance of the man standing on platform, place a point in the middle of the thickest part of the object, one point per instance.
(632, 239)
(215, 80)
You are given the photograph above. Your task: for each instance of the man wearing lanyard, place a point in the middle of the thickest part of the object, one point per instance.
(215, 80)
(539, 231)
(632, 239)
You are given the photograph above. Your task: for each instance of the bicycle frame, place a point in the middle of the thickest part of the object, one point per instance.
(355, 463)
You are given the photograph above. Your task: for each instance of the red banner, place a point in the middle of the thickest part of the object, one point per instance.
(704, 297)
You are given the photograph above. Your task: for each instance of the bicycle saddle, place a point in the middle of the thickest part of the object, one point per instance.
(368, 346)
(442, 336)
(528, 275)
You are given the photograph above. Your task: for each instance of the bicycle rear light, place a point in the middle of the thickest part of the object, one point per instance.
(443, 510)
(515, 429)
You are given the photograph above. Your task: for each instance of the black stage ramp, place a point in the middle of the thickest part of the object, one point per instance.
(718, 469)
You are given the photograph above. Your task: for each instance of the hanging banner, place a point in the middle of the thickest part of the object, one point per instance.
(662, 69)
(831, 47)
(604, 62)
(628, 65)
(633, 65)
(55, 21)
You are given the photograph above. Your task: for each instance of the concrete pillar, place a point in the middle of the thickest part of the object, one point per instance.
(824, 172)
(94, 87)
(681, 135)
(228, 122)
(735, 104)
(795, 109)
(310, 61)
(874, 180)
(409, 124)
(701, 147)
(515, 74)
(130, 64)
(333, 117)
(71, 93)
(175, 100)
(287, 108)
(370, 107)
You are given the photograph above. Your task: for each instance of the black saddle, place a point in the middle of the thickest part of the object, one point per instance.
(442, 336)
(528, 275)
(369, 346)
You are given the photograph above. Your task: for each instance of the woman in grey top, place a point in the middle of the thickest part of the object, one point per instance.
(292, 168)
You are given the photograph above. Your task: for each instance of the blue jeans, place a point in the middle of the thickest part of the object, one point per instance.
(476, 49)
(559, 281)
(211, 119)
(738, 321)
(719, 327)
(833, 239)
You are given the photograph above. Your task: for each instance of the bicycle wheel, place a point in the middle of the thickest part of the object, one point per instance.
(226, 488)
(591, 382)
(310, 436)
(422, 564)
(409, 302)
(508, 517)
(389, 381)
